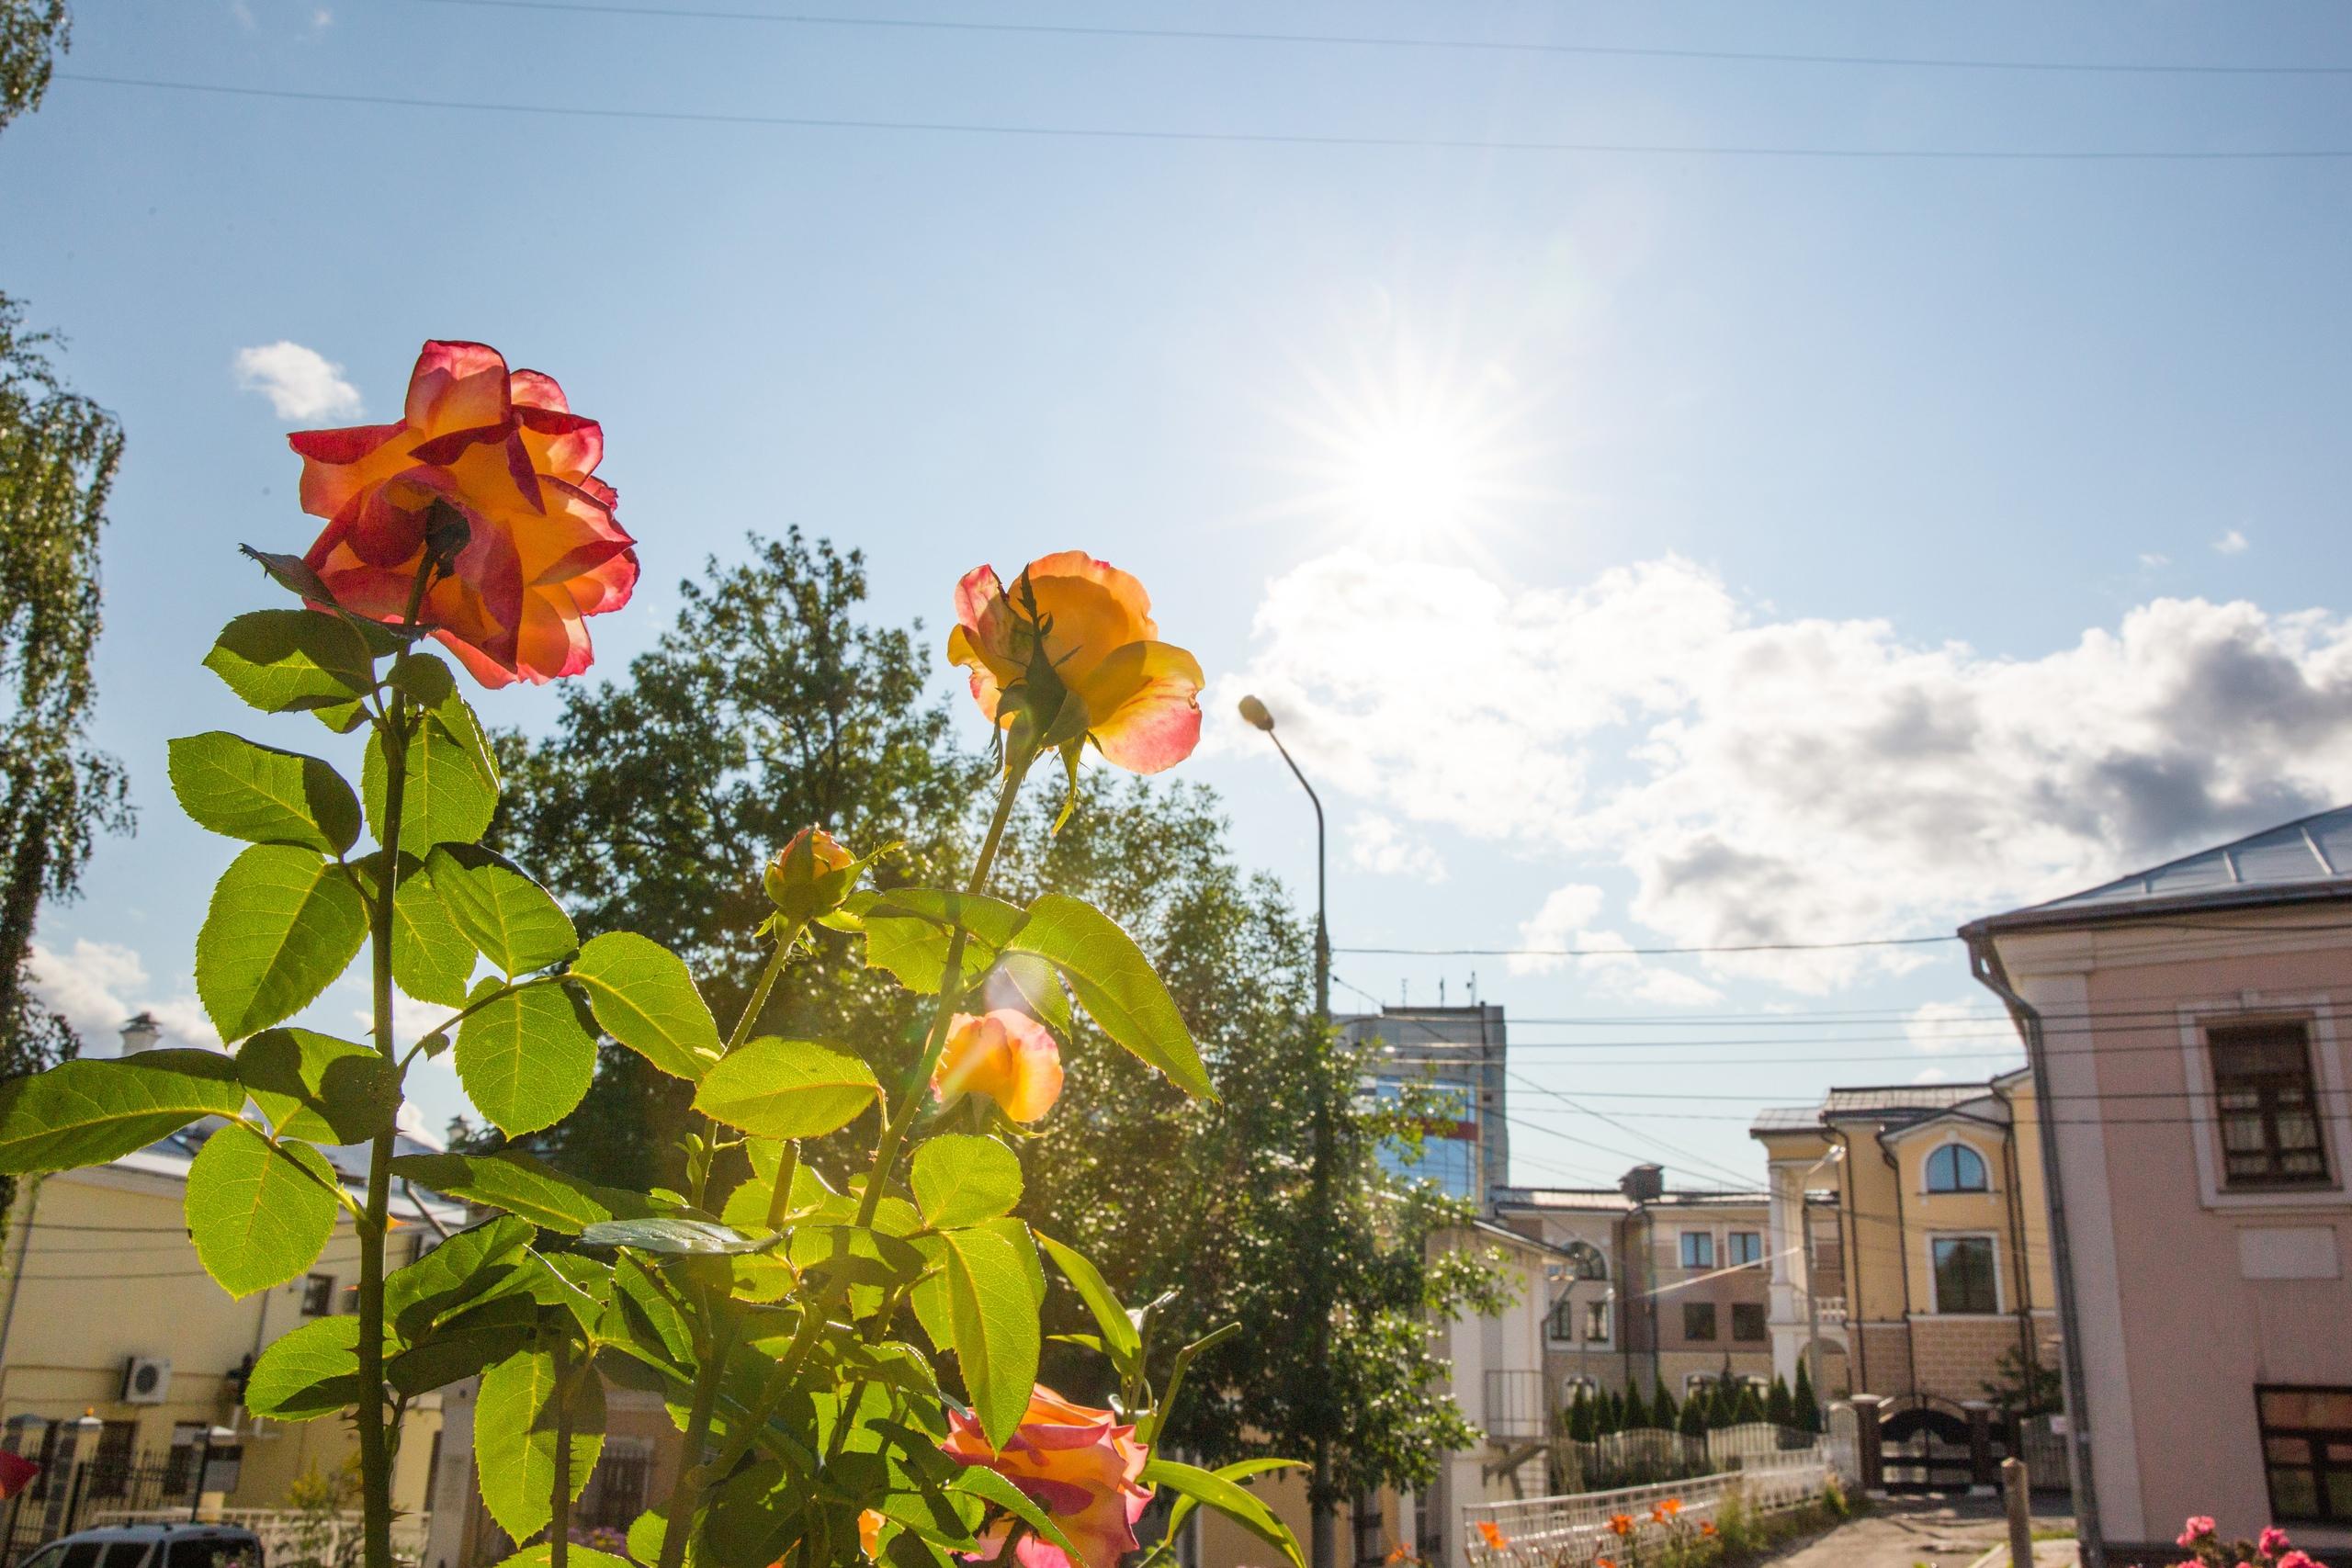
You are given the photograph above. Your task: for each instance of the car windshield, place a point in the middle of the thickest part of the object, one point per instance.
(202, 1552)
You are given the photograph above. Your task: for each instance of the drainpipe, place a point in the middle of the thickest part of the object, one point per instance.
(1984, 961)
(2020, 1261)
(1902, 1261)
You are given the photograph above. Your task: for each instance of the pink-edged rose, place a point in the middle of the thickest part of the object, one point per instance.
(1079, 1465)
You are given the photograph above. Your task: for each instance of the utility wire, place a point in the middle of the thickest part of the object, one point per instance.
(1280, 139)
(1382, 41)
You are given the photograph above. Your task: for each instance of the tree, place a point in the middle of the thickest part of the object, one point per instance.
(1580, 1415)
(1694, 1413)
(1637, 1415)
(768, 706)
(1613, 1412)
(1230, 1181)
(32, 33)
(1663, 1414)
(1748, 1407)
(1778, 1408)
(1808, 1404)
(2022, 1385)
(1723, 1400)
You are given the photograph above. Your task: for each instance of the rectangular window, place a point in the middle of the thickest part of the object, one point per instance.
(1698, 1249)
(1747, 1320)
(1744, 1246)
(318, 1295)
(1965, 1274)
(1596, 1322)
(1698, 1320)
(1561, 1327)
(2264, 1096)
(2307, 1453)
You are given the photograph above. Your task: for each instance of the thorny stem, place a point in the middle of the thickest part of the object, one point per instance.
(374, 1437)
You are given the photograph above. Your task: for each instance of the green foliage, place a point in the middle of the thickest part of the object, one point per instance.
(959, 1180)
(525, 1059)
(643, 998)
(1694, 1420)
(32, 33)
(1748, 1407)
(788, 1089)
(283, 924)
(2022, 1385)
(1779, 1407)
(1664, 1412)
(313, 1085)
(1115, 983)
(1633, 1415)
(89, 1112)
(259, 1212)
(1807, 1404)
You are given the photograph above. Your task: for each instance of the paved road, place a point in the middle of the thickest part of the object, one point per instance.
(1906, 1533)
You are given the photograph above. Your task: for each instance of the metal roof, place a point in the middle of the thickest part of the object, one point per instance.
(2308, 858)
(1899, 1097)
(1787, 1119)
(1606, 1200)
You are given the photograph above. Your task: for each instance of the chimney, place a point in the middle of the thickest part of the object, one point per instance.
(141, 1033)
(1643, 1183)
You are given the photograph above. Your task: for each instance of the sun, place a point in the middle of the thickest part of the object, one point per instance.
(1410, 454)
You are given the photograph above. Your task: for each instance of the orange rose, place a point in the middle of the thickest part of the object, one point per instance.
(1004, 1055)
(506, 453)
(1074, 1462)
(869, 1533)
(804, 880)
(1084, 626)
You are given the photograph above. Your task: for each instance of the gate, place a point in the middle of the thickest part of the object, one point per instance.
(1923, 1447)
(97, 1487)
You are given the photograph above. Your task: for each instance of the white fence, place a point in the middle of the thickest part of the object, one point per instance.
(1577, 1530)
(289, 1535)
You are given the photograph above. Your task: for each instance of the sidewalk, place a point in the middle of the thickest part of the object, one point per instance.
(1938, 1532)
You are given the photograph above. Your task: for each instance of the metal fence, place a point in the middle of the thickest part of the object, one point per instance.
(1577, 1530)
(69, 1494)
(1647, 1455)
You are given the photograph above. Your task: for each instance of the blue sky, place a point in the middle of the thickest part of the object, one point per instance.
(1648, 549)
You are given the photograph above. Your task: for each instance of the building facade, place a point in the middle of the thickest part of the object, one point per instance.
(1463, 1053)
(2189, 1026)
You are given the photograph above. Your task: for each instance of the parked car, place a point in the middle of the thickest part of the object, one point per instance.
(153, 1546)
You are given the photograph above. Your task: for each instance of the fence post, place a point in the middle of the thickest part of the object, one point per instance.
(2018, 1487)
(1867, 1459)
(1983, 1479)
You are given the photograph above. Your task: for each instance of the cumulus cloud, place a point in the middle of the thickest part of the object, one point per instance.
(98, 986)
(1773, 780)
(2233, 543)
(1949, 1026)
(1564, 922)
(1377, 845)
(301, 383)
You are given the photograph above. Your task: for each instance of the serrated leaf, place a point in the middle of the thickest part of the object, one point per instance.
(449, 798)
(315, 1087)
(476, 1261)
(1115, 983)
(259, 1212)
(282, 925)
(523, 1186)
(87, 1112)
(1215, 1490)
(469, 1341)
(992, 1314)
(262, 794)
(292, 660)
(959, 1180)
(525, 1060)
(1120, 1339)
(433, 959)
(990, 1486)
(515, 1439)
(312, 1372)
(669, 1234)
(505, 914)
(643, 998)
(292, 573)
(542, 1555)
(787, 1089)
(909, 930)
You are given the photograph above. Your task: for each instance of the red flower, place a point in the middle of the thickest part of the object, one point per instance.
(1622, 1523)
(506, 453)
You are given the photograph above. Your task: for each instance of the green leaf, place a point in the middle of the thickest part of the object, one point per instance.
(291, 660)
(1216, 1490)
(787, 1089)
(309, 1372)
(262, 794)
(425, 680)
(1120, 1340)
(525, 1060)
(990, 1486)
(432, 956)
(283, 924)
(313, 1085)
(1115, 984)
(541, 1555)
(907, 931)
(1028, 982)
(260, 1213)
(515, 1437)
(505, 914)
(477, 1338)
(451, 793)
(669, 1233)
(523, 1186)
(467, 1265)
(87, 1112)
(1241, 1470)
(643, 998)
(993, 1318)
(959, 1180)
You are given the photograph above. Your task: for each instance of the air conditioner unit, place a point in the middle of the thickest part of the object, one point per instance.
(146, 1380)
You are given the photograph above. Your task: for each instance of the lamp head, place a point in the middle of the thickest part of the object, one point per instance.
(1255, 712)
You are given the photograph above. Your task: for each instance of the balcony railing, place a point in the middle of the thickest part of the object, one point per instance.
(1517, 1410)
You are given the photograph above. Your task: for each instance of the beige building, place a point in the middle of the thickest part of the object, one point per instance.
(2188, 1024)
(107, 1314)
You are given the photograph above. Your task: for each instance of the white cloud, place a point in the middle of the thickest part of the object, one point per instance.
(2152, 560)
(1771, 780)
(98, 986)
(1949, 1026)
(1931, 1075)
(1565, 921)
(1376, 844)
(301, 383)
(2233, 543)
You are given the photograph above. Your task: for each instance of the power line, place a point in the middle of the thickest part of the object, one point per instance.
(1382, 41)
(1642, 951)
(1281, 139)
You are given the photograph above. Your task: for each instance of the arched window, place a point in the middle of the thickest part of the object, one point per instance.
(1585, 1261)
(1956, 1167)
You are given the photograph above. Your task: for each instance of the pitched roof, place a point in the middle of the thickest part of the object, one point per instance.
(2306, 859)
(1899, 1099)
(1603, 1200)
(1787, 1119)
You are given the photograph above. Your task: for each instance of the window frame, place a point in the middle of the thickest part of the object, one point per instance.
(1732, 1248)
(318, 1295)
(1714, 1324)
(1935, 1283)
(2267, 1112)
(1706, 1245)
(2316, 1011)
(1955, 1148)
(1597, 1313)
(2317, 1462)
(1763, 1318)
(1559, 1324)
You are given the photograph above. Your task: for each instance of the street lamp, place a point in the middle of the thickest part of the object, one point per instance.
(1323, 1546)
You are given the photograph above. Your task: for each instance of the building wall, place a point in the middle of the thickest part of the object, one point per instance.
(2176, 1334)
(1665, 1287)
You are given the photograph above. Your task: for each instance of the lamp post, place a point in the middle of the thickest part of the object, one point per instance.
(1323, 1536)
